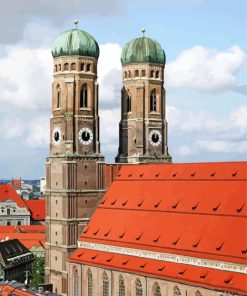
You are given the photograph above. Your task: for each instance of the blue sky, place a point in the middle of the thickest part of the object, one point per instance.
(205, 45)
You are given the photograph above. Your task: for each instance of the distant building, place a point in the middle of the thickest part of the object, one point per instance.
(15, 260)
(42, 186)
(16, 211)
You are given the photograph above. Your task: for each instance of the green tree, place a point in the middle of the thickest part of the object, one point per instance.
(38, 271)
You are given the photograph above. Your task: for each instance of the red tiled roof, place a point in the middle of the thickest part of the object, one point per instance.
(23, 229)
(29, 241)
(37, 208)
(195, 210)
(16, 182)
(8, 192)
(182, 273)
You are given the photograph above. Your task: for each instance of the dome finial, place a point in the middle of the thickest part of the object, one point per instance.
(76, 23)
(143, 30)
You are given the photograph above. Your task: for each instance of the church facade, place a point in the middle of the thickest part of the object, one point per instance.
(155, 231)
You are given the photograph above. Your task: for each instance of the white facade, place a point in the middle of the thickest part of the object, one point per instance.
(11, 214)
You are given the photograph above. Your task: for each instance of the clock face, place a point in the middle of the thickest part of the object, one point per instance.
(56, 135)
(155, 138)
(85, 136)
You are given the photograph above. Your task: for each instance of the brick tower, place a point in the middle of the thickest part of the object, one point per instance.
(74, 167)
(143, 126)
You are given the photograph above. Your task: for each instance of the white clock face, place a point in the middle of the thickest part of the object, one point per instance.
(85, 136)
(56, 136)
(155, 138)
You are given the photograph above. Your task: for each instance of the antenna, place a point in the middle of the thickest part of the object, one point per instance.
(76, 23)
(143, 30)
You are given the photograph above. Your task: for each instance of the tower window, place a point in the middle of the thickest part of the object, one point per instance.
(59, 67)
(88, 67)
(157, 74)
(125, 74)
(58, 99)
(136, 73)
(82, 67)
(66, 66)
(153, 101)
(152, 73)
(129, 103)
(73, 66)
(143, 73)
(129, 74)
(83, 97)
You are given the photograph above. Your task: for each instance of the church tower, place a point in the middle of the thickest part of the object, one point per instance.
(74, 166)
(143, 126)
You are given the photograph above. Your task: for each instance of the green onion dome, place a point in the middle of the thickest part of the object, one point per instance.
(143, 50)
(75, 42)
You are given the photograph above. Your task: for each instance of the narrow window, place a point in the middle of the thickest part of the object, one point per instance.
(105, 285)
(82, 67)
(156, 290)
(75, 283)
(138, 288)
(153, 101)
(136, 73)
(152, 73)
(83, 97)
(66, 66)
(88, 67)
(89, 283)
(129, 74)
(121, 286)
(8, 211)
(73, 66)
(58, 99)
(157, 74)
(129, 103)
(59, 67)
(19, 223)
(125, 74)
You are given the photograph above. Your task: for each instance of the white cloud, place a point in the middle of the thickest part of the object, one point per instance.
(222, 146)
(205, 70)
(184, 150)
(38, 132)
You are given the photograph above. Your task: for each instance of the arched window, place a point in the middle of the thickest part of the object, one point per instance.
(152, 73)
(129, 103)
(156, 290)
(153, 101)
(88, 67)
(157, 74)
(59, 67)
(19, 223)
(73, 66)
(121, 286)
(129, 74)
(82, 67)
(105, 285)
(75, 282)
(58, 99)
(176, 291)
(66, 66)
(136, 73)
(8, 211)
(8, 223)
(89, 283)
(143, 73)
(83, 97)
(138, 288)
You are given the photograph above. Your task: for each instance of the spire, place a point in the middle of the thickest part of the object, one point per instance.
(76, 23)
(143, 30)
